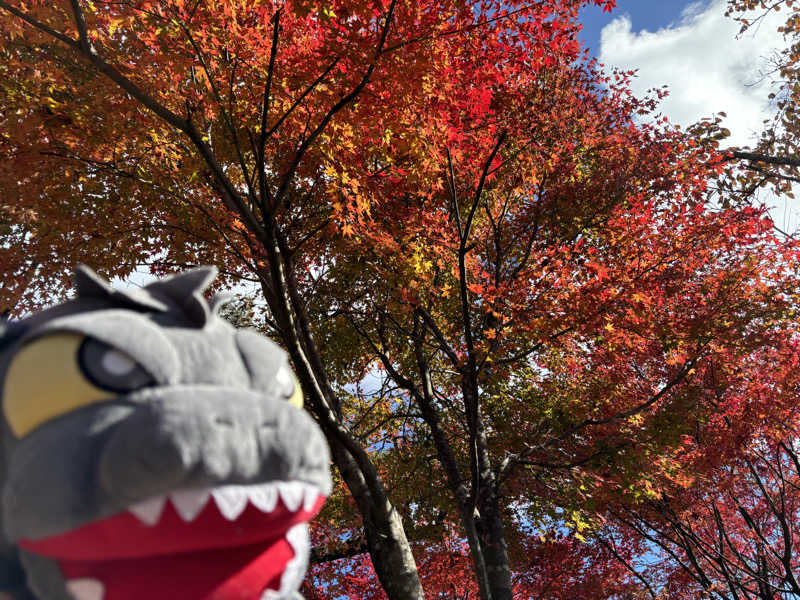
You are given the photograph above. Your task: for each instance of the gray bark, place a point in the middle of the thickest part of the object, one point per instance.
(491, 530)
(383, 528)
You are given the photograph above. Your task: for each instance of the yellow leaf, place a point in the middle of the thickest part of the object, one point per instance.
(114, 25)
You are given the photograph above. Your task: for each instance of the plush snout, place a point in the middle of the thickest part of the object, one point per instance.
(196, 436)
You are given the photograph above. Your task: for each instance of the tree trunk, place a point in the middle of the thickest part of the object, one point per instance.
(383, 527)
(483, 527)
(491, 532)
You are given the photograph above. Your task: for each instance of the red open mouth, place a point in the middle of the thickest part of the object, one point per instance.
(249, 542)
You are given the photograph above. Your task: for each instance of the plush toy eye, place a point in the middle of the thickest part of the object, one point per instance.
(59, 373)
(111, 369)
(289, 387)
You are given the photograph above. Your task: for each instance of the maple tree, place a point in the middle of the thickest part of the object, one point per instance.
(566, 295)
(485, 268)
(554, 565)
(734, 534)
(170, 133)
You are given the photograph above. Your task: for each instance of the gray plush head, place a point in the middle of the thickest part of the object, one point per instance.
(152, 450)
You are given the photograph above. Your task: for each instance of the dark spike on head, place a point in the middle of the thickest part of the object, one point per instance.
(186, 290)
(10, 332)
(89, 284)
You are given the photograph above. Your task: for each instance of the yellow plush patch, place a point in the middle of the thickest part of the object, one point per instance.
(45, 381)
(296, 398)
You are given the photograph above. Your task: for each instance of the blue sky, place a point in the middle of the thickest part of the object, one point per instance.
(645, 14)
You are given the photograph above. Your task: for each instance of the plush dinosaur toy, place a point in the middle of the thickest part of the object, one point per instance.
(151, 451)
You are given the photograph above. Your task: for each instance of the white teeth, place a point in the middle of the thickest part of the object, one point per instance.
(231, 500)
(264, 497)
(86, 589)
(298, 539)
(292, 494)
(310, 495)
(292, 576)
(148, 512)
(189, 503)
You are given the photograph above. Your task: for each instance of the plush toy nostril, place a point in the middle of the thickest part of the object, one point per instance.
(223, 421)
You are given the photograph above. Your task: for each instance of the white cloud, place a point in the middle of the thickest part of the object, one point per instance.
(707, 67)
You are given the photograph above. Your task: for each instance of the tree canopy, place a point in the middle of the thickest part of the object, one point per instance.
(530, 338)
